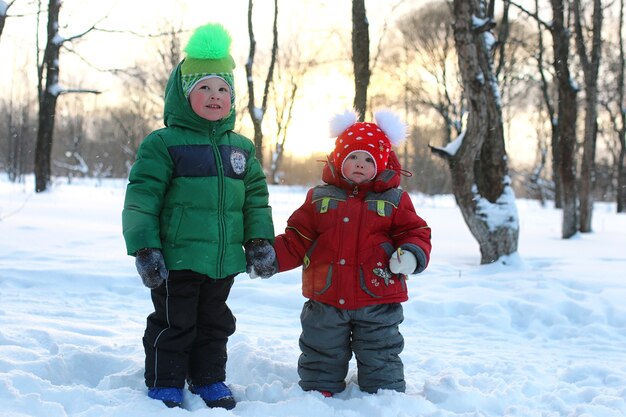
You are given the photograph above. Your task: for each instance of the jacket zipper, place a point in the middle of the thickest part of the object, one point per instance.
(357, 259)
(220, 204)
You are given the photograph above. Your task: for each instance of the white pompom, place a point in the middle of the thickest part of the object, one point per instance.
(390, 123)
(340, 122)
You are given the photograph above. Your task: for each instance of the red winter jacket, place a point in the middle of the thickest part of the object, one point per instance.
(343, 235)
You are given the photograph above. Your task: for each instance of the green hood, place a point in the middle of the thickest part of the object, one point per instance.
(178, 111)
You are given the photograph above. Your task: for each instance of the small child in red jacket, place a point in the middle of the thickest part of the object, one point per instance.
(357, 237)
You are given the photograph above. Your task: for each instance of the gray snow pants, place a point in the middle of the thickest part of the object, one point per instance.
(330, 335)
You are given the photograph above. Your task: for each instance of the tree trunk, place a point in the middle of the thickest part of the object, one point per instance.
(252, 110)
(567, 115)
(284, 115)
(257, 113)
(479, 169)
(556, 163)
(547, 99)
(588, 166)
(48, 100)
(360, 56)
(621, 163)
(621, 178)
(590, 70)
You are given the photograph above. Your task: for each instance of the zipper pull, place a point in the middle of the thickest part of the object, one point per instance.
(355, 191)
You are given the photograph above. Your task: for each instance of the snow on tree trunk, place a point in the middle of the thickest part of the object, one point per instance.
(480, 181)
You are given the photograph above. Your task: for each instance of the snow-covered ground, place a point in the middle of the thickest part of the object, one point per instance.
(543, 337)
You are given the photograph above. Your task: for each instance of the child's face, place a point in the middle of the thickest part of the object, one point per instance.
(210, 99)
(359, 167)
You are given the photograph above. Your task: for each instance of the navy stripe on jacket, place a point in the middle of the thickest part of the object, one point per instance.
(199, 161)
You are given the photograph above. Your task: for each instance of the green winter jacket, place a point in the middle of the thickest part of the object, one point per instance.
(196, 191)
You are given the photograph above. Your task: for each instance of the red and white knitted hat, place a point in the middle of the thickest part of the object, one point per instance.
(373, 138)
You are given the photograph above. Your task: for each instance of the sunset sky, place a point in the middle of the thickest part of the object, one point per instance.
(320, 28)
(309, 23)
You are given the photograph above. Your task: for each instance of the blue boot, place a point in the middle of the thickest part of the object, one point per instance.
(171, 396)
(216, 395)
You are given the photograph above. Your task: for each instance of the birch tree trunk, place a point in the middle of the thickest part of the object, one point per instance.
(480, 181)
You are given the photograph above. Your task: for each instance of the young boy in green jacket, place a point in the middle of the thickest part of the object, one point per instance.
(196, 197)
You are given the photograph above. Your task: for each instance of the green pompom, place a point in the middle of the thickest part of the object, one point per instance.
(211, 41)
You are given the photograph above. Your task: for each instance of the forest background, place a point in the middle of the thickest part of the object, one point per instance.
(296, 68)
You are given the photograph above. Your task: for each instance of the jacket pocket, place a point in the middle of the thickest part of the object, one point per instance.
(376, 280)
(317, 279)
(317, 271)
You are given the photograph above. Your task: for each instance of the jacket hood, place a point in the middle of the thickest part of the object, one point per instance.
(177, 110)
(385, 180)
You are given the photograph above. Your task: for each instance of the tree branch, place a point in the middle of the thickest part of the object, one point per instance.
(527, 12)
(79, 91)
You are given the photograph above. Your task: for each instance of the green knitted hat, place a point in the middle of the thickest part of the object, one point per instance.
(208, 55)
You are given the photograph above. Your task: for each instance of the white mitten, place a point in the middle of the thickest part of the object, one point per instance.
(402, 262)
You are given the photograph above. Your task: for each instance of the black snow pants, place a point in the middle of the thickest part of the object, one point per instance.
(186, 335)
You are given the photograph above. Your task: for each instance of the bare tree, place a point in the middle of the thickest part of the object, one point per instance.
(536, 183)
(291, 71)
(145, 85)
(149, 79)
(428, 39)
(47, 99)
(284, 114)
(19, 146)
(257, 113)
(478, 161)
(360, 56)
(564, 134)
(432, 80)
(548, 102)
(18, 124)
(525, 82)
(621, 130)
(612, 100)
(567, 117)
(72, 138)
(49, 90)
(590, 65)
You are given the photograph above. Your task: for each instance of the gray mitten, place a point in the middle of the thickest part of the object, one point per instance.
(260, 258)
(151, 267)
